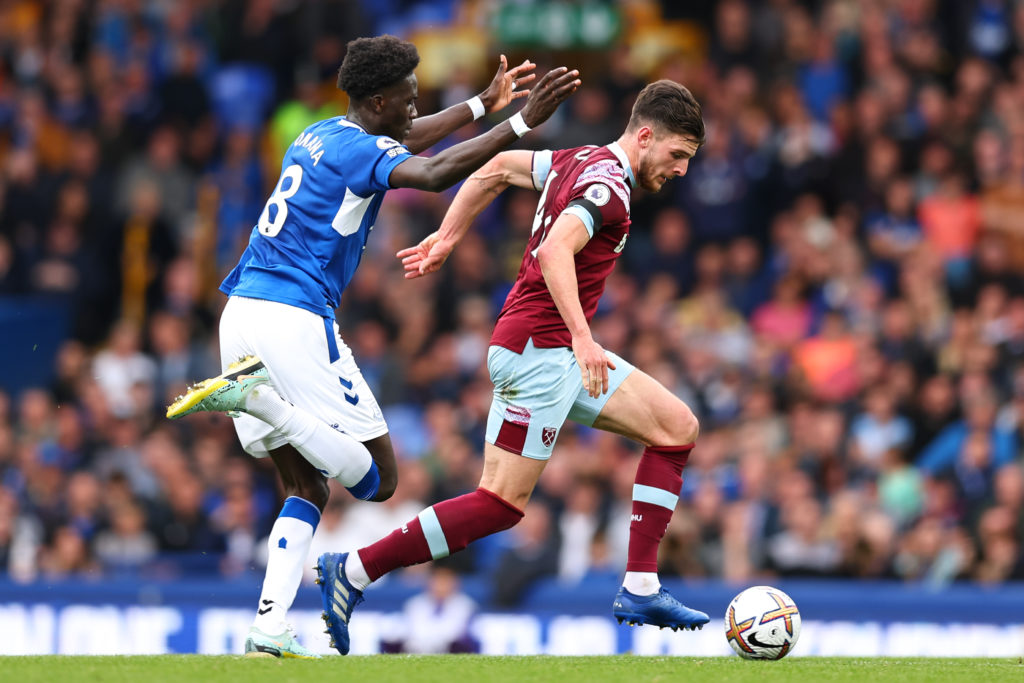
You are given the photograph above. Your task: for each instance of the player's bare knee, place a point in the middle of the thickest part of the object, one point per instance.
(383, 454)
(682, 429)
(689, 427)
(388, 484)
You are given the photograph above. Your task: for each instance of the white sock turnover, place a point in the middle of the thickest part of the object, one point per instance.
(641, 583)
(355, 571)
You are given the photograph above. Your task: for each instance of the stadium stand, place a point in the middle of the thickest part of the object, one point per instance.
(835, 288)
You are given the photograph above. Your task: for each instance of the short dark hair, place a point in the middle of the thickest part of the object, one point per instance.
(372, 64)
(667, 105)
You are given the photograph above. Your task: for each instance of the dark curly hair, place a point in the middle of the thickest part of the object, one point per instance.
(669, 106)
(372, 64)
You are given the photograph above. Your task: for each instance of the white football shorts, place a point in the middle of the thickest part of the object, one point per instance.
(536, 391)
(309, 365)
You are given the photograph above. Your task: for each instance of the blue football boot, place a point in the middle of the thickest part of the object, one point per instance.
(338, 596)
(660, 609)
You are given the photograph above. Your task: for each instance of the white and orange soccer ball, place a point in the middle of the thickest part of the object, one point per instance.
(762, 623)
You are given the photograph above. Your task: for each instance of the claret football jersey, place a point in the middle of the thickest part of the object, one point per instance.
(592, 183)
(310, 237)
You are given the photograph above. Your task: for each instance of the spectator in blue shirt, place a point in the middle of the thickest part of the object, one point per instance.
(979, 415)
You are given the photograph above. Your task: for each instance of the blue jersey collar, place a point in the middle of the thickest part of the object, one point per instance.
(342, 121)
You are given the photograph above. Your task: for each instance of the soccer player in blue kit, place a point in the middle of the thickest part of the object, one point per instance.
(291, 382)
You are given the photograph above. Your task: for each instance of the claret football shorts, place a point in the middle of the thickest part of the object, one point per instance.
(534, 393)
(309, 365)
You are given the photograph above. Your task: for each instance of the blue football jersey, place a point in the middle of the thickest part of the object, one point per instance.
(312, 232)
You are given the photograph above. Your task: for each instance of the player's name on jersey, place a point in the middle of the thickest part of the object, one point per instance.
(313, 144)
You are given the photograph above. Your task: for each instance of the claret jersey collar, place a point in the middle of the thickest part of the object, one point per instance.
(620, 154)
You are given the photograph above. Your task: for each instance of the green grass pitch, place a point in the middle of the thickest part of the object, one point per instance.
(479, 669)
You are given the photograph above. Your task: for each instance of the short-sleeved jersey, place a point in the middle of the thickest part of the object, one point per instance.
(594, 184)
(312, 232)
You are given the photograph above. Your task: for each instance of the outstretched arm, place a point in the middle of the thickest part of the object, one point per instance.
(453, 164)
(507, 85)
(479, 190)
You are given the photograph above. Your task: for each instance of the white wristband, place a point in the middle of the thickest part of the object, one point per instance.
(477, 106)
(518, 125)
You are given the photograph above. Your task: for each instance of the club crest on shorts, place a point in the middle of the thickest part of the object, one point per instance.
(548, 435)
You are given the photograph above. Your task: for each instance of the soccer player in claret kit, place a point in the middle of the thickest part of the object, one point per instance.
(546, 366)
(289, 379)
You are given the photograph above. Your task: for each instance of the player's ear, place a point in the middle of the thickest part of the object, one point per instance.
(645, 137)
(377, 102)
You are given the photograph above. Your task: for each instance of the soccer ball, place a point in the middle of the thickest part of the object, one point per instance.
(762, 623)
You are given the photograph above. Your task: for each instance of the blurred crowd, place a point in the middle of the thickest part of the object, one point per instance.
(835, 288)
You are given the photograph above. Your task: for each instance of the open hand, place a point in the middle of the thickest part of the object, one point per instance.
(426, 257)
(553, 89)
(507, 85)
